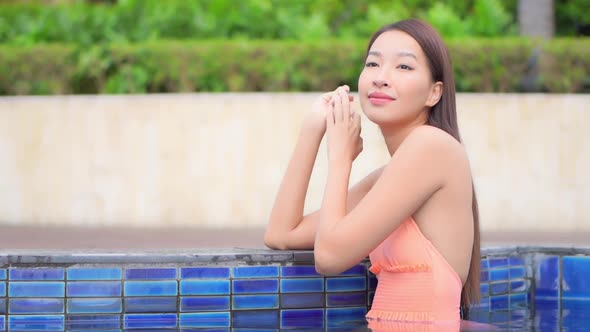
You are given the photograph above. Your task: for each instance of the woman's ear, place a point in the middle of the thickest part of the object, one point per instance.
(435, 94)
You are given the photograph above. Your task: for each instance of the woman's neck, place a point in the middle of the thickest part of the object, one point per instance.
(395, 135)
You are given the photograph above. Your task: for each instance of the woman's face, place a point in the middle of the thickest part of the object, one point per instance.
(395, 86)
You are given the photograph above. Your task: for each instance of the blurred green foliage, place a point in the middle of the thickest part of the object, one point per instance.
(481, 65)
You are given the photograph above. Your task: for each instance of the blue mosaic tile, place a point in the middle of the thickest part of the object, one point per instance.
(302, 318)
(205, 319)
(499, 288)
(576, 283)
(354, 299)
(341, 317)
(484, 276)
(299, 271)
(36, 306)
(36, 322)
(94, 306)
(307, 300)
(261, 319)
(360, 270)
(256, 271)
(484, 289)
(151, 273)
(205, 272)
(36, 289)
(3, 306)
(2, 323)
(499, 275)
(515, 261)
(204, 287)
(499, 302)
(150, 321)
(2, 274)
(255, 286)
(518, 301)
(484, 302)
(372, 282)
(547, 277)
(346, 284)
(2, 289)
(94, 288)
(114, 273)
(304, 285)
(498, 262)
(484, 264)
(150, 304)
(517, 273)
(517, 286)
(37, 274)
(151, 288)
(204, 303)
(251, 302)
(91, 322)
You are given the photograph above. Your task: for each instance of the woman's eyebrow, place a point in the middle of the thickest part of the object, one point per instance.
(398, 55)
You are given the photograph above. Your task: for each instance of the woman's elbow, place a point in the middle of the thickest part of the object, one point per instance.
(272, 242)
(326, 264)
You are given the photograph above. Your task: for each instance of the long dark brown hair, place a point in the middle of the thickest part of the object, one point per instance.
(443, 115)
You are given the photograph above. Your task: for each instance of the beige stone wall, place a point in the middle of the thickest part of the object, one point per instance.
(217, 159)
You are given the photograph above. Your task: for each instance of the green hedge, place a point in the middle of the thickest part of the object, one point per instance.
(481, 65)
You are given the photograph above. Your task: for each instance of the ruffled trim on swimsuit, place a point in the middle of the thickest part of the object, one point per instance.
(376, 269)
(400, 316)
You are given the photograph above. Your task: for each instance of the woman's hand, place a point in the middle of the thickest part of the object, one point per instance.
(316, 119)
(344, 129)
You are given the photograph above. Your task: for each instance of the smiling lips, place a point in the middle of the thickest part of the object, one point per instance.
(380, 98)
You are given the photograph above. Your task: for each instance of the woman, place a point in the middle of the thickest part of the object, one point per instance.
(416, 217)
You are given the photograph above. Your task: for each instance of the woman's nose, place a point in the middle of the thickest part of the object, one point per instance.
(380, 83)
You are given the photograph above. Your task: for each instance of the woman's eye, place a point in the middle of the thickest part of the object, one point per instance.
(371, 64)
(405, 67)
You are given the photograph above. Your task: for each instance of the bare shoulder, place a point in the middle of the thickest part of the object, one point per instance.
(438, 144)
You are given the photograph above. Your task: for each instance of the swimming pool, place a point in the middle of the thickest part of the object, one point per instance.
(523, 289)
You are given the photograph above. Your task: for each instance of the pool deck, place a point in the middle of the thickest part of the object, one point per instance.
(80, 238)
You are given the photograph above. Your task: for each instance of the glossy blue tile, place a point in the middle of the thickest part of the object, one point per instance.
(518, 301)
(251, 302)
(92, 322)
(37, 274)
(517, 273)
(204, 287)
(151, 288)
(499, 302)
(2, 274)
(498, 262)
(547, 277)
(307, 300)
(484, 264)
(114, 273)
(36, 306)
(360, 270)
(299, 271)
(499, 275)
(205, 272)
(3, 305)
(2, 323)
(370, 296)
(255, 286)
(372, 282)
(515, 261)
(484, 276)
(151, 273)
(94, 288)
(353, 299)
(303, 285)
(341, 317)
(205, 319)
(150, 304)
(346, 284)
(150, 321)
(36, 322)
(484, 289)
(36, 289)
(576, 283)
(204, 303)
(518, 286)
(94, 306)
(256, 272)
(302, 318)
(2, 289)
(499, 288)
(261, 319)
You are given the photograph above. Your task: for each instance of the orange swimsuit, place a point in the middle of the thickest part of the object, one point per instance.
(416, 283)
